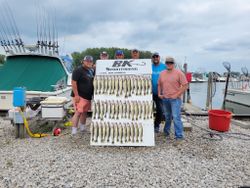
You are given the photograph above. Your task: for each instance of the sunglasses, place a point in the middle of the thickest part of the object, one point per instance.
(169, 62)
(155, 56)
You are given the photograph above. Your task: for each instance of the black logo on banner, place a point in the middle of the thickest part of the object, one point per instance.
(120, 63)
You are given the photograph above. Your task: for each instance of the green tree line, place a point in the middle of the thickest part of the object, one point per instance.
(95, 52)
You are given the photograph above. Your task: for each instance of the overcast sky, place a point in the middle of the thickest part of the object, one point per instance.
(205, 32)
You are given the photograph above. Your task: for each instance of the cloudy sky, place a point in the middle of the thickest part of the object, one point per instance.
(205, 32)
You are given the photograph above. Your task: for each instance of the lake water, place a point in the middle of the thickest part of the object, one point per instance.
(198, 92)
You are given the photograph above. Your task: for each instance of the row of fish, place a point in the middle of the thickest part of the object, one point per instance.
(133, 110)
(106, 132)
(123, 85)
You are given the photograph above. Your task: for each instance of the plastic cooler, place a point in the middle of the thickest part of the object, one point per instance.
(19, 97)
(219, 120)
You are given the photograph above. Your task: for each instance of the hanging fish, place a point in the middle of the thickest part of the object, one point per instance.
(141, 132)
(101, 110)
(132, 132)
(120, 132)
(136, 85)
(92, 131)
(128, 86)
(139, 110)
(112, 110)
(149, 85)
(144, 107)
(95, 131)
(116, 110)
(116, 132)
(139, 86)
(105, 109)
(105, 85)
(103, 132)
(107, 132)
(120, 109)
(113, 85)
(132, 81)
(136, 131)
(116, 89)
(128, 132)
(97, 109)
(124, 110)
(93, 109)
(124, 87)
(109, 86)
(100, 131)
(124, 132)
(136, 110)
(120, 85)
(112, 133)
(132, 110)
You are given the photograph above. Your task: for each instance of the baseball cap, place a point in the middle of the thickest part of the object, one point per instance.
(169, 60)
(155, 54)
(88, 58)
(104, 53)
(119, 52)
(134, 50)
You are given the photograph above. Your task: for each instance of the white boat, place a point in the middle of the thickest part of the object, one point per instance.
(239, 96)
(38, 67)
(42, 76)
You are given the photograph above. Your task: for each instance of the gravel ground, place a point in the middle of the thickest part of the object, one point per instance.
(71, 162)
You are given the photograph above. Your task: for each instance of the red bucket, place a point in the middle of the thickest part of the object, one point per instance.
(219, 120)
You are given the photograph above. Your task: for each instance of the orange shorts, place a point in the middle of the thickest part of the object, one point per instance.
(83, 105)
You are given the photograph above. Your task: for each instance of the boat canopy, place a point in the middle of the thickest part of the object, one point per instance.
(35, 73)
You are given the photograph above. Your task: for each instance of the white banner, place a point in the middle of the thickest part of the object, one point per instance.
(124, 67)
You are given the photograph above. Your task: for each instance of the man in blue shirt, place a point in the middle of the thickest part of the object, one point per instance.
(157, 68)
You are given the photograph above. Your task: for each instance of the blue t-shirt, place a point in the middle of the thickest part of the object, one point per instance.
(156, 70)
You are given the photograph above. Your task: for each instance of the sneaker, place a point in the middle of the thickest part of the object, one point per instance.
(157, 130)
(178, 142)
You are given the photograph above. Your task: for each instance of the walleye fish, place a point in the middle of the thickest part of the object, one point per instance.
(116, 110)
(141, 132)
(100, 132)
(132, 132)
(95, 131)
(109, 86)
(92, 131)
(116, 89)
(107, 132)
(136, 110)
(136, 132)
(132, 81)
(132, 110)
(128, 132)
(120, 132)
(112, 110)
(124, 86)
(116, 132)
(112, 85)
(120, 109)
(128, 86)
(124, 132)
(127, 109)
(139, 109)
(151, 109)
(112, 133)
(124, 110)
(101, 110)
(103, 131)
(136, 85)
(93, 109)
(149, 86)
(120, 79)
(105, 85)
(97, 109)
(144, 107)
(139, 86)
(105, 108)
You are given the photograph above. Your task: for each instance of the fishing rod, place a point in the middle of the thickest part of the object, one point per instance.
(18, 39)
(10, 28)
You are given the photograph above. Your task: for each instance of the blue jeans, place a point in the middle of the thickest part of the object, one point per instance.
(172, 110)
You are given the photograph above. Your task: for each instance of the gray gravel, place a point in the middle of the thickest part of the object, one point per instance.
(71, 162)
